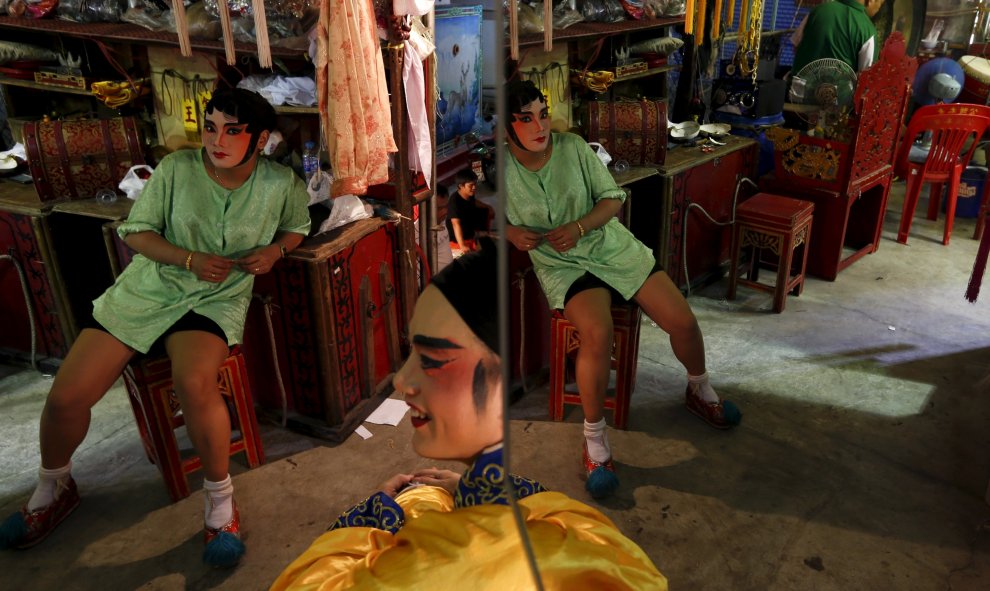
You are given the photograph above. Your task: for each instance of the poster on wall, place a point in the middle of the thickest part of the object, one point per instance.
(458, 34)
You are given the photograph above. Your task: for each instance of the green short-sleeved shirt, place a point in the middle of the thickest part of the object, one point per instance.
(837, 29)
(191, 211)
(566, 188)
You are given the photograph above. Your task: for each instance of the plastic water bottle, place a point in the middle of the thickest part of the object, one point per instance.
(310, 160)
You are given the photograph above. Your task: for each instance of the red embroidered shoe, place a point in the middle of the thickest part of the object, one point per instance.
(41, 522)
(224, 547)
(591, 465)
(721, 415)
(602, 481)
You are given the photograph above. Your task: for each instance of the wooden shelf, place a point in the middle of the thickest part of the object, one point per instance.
(594, 30)
(46, 87)
(132, 34)
(291, 110)
(648, 73)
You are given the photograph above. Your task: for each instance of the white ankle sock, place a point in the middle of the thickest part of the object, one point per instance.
(594, 434)
(219, 502)
(47, 489)
(702, 388)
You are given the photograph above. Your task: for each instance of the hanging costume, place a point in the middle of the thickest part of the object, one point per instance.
(427, 539)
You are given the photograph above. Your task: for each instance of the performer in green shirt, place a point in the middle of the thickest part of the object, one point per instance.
(561, 207)
(205, 224)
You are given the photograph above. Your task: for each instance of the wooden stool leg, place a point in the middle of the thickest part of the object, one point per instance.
(558, 364)
(623, 377)
(169, 461)
(246, 418)
(734, 264)
(783, 272)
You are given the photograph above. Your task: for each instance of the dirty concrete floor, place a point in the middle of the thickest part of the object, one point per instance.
(861, 462)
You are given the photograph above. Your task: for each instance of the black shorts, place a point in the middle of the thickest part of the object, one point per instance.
(189, 321)
(589, 281)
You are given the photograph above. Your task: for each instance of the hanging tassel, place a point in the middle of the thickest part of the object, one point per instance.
(547, 26)
(689, 17)
(979, 267)
(699, 36)
(743, 17)
(261, 34)
(514, 30)
(228, 32)
(717, 20)
(182, 28)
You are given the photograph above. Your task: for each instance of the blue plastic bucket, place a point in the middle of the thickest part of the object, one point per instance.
(970, 191)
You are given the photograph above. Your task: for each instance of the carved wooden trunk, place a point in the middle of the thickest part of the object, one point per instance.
(335, 315)
(634, 131)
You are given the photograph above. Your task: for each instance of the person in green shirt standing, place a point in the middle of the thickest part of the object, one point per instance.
(561, 205)
(207, 222)
(840, 29)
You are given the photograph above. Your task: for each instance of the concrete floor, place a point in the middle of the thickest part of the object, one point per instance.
(861, 462)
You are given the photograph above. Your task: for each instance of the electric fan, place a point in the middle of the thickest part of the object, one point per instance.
(826, 82)
(938, 81)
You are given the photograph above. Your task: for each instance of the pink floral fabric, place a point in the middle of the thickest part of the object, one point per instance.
(353, 98)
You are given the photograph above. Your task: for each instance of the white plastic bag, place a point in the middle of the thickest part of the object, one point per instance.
(346, 209)
(132, 183)
(600, 152)
(319, 187)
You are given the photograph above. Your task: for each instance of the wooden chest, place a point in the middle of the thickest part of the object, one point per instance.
(334, 310)
(74, 159)
(634, 131)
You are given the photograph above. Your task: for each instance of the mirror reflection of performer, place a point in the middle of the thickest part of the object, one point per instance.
(437, 530)
(205, 224)
(561, 206)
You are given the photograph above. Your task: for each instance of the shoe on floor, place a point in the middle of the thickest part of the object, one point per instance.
(27, 528)
(224, 547)
(602, 481)
(721, 415)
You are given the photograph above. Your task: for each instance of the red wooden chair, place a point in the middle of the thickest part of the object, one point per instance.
(951, 126)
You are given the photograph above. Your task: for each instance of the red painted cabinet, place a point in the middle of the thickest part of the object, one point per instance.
(335, 319)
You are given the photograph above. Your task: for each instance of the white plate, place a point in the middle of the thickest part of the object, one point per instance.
(716, 129)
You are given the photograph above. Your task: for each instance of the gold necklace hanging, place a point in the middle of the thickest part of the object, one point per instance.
(748, 50)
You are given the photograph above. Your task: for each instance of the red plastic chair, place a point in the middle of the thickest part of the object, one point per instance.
(951, 126)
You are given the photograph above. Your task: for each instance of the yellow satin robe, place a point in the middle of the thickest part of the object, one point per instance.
(476, 548)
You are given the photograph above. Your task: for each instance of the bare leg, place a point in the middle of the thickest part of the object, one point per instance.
(93, 364)
(590, 312)
(196, 358)
(664, 304)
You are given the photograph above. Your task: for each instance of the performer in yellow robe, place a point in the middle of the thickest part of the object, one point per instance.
(434, 530)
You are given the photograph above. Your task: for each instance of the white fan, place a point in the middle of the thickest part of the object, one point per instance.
(827, 82)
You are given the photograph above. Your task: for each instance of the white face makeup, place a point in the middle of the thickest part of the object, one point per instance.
(532, 126)
(446, 364)
(226, 141)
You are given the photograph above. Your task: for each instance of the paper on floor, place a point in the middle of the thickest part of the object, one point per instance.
(364, 433)
(389, 413)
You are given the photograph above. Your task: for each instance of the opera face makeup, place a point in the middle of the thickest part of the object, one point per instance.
(454, 396)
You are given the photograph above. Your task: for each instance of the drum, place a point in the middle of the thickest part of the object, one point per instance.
(976, 88)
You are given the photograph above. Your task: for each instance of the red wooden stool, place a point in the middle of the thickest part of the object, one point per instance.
(156, 409)
(564, 343)
(780, 225)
